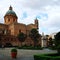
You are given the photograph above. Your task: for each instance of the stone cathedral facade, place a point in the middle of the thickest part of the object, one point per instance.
(11, 28)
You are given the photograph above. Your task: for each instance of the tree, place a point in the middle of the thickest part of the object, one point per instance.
(50, 42)
(47, 40)
(0, 41)
(21, 37)
(57, 42)
(34, 35)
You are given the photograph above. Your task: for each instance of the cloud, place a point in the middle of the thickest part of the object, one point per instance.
(47, 12)
(38, 4)
(24, 15)
(42, 16)
(52, 24)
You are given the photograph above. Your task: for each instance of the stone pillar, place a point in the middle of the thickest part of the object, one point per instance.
(42, 44)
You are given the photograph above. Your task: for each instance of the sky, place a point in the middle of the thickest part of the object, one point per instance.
(46, 11)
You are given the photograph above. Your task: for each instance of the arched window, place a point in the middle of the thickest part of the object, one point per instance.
(20, 31)
(8, 19)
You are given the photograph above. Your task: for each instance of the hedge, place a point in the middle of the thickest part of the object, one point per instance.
(31, 48)
(46, 57)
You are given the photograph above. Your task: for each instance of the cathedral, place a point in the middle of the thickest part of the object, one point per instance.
(11, 28)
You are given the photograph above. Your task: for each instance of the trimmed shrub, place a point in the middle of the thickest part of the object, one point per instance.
(13, 50)
(47, 57)
(30, 48)
(58, 49)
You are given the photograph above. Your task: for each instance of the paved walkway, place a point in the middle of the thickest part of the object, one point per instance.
(22, 54)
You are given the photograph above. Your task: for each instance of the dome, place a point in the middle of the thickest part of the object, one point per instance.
(10, 11)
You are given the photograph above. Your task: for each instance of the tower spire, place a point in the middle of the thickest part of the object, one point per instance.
(10, 8)
(36, 22)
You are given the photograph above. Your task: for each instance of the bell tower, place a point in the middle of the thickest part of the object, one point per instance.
(10, 16)
(36, 23)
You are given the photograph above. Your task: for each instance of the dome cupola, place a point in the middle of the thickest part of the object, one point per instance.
(10, 12)
(10, 16)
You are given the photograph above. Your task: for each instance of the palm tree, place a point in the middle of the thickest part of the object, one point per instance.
(34, 35)
(21, 37)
